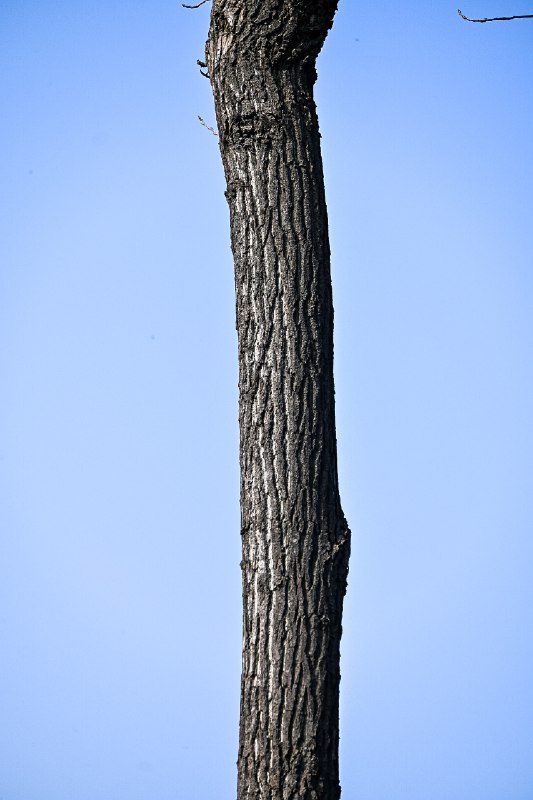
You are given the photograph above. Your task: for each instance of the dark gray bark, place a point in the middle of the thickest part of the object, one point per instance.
(260, 55)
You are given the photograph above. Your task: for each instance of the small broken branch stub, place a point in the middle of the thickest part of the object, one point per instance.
(209, 128)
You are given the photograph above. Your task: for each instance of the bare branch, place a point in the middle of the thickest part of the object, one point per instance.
(493, 19)
(209, 128)
(196, 6)
(205, 74)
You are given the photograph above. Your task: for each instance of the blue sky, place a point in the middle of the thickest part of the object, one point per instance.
(119, 562)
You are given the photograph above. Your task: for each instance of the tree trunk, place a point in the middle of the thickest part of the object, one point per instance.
(295, 541)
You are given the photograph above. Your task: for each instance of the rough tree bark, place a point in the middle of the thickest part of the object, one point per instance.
(260, 56)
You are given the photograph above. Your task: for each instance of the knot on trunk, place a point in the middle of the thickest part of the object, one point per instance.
(244, 129)
(262, 105)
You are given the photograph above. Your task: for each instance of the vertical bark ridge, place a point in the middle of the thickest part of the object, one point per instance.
(295, 541)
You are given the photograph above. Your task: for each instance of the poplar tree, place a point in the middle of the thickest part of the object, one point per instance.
(260, 58)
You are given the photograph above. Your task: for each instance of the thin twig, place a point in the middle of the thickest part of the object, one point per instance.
(197, 6)
(205, 74)
(209, 128)
(493, 19)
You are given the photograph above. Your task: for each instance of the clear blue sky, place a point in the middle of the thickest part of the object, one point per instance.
(119, 564)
